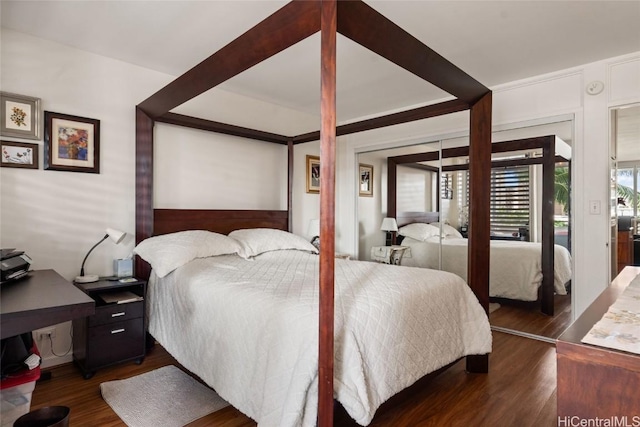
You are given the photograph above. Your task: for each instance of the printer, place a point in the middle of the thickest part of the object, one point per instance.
(14, 265)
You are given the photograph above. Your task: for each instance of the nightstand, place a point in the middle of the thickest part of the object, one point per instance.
(116, 332)
(389, 254)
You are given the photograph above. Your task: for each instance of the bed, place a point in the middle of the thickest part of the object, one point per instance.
(294, 22)
(256, 320)
(515, 266)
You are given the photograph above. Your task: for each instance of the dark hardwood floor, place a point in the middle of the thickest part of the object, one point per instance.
(527, 317)
(520, 390)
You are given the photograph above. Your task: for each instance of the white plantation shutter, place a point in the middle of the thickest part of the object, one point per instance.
(510, 198)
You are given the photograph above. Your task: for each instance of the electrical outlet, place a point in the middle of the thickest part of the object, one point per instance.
(45, 333)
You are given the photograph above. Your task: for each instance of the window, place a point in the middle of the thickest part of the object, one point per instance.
(510, 199)
(628, 199)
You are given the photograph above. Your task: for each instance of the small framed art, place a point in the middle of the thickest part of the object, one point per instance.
(19, 155)
(313, 174)
(71, 143)
(19, 116)
(366, 180)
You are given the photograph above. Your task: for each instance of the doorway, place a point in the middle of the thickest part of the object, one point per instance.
(625, 187)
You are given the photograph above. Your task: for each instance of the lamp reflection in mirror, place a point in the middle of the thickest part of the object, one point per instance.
(117, 236)
(314, 232)
(390, 226)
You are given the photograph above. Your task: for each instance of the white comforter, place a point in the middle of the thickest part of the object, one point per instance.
(515, 268)
(250, 330)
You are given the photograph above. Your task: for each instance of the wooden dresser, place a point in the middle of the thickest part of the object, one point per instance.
(597, 381)
(625, 249)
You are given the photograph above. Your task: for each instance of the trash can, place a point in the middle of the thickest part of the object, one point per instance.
(49, 416)
(15, 392)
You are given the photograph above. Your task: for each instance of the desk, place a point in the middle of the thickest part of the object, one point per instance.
(597, 381)
(43, 299)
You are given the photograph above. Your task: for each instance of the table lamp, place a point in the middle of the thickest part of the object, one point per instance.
(390, 226)
(314, 231)
(117, 236)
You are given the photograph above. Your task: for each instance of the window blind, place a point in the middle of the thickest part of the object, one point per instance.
(510, 198)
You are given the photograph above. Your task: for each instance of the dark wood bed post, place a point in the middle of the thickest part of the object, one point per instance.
(290, 183)
(144, 186)
(392, 203)
(548, 238)
(479, 224)
(328, 36)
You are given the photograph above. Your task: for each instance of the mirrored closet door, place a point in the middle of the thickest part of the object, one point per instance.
(437, 186)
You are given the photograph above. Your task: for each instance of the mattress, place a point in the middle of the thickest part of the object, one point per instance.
(249, 329)
(515, 269)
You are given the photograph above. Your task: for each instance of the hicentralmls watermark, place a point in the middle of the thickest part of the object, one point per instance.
(621, 421)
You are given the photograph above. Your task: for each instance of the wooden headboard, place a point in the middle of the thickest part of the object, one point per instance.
(220, 221)
(404, 218)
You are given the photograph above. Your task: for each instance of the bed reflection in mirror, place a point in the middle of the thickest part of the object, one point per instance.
(425, 187)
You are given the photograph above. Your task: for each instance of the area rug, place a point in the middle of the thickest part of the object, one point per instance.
(165, 397)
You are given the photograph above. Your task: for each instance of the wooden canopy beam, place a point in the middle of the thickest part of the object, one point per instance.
(367, 27)
(538, 142)
(227, 129)
(407, 116)
(292, 23)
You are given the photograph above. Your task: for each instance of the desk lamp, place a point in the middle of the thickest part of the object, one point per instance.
(390, 226)
(117, 236)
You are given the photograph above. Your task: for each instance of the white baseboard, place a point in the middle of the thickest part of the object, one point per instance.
(52, 361)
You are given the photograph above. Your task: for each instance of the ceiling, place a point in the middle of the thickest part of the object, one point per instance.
(493, 41)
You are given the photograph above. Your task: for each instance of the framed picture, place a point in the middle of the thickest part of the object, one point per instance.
(20, 116)
(366, 180)
(313, 174)
(71, 143)
(446, 185)
(19, 155)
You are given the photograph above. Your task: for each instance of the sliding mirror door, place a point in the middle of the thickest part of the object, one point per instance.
(416, 188)
(522, 177)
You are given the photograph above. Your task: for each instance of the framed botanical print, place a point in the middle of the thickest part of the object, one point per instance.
(366, 180)
(19, 116)
(19, 155)
(71, 143)
(313, 174)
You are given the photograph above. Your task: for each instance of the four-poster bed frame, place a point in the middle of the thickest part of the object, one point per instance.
(287, 26)
(554, 151)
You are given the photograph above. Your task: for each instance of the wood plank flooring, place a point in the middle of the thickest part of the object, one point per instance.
(527, 317)
(520, 390)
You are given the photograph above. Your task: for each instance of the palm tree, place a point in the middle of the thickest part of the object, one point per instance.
(562, 188)
(626, 193)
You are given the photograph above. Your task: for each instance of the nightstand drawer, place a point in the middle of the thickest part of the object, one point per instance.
(111, 313)
(115, 342)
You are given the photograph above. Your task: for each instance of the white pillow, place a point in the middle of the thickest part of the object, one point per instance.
(167, 252)
(447, 230)
(254, 241)
(419, 231)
